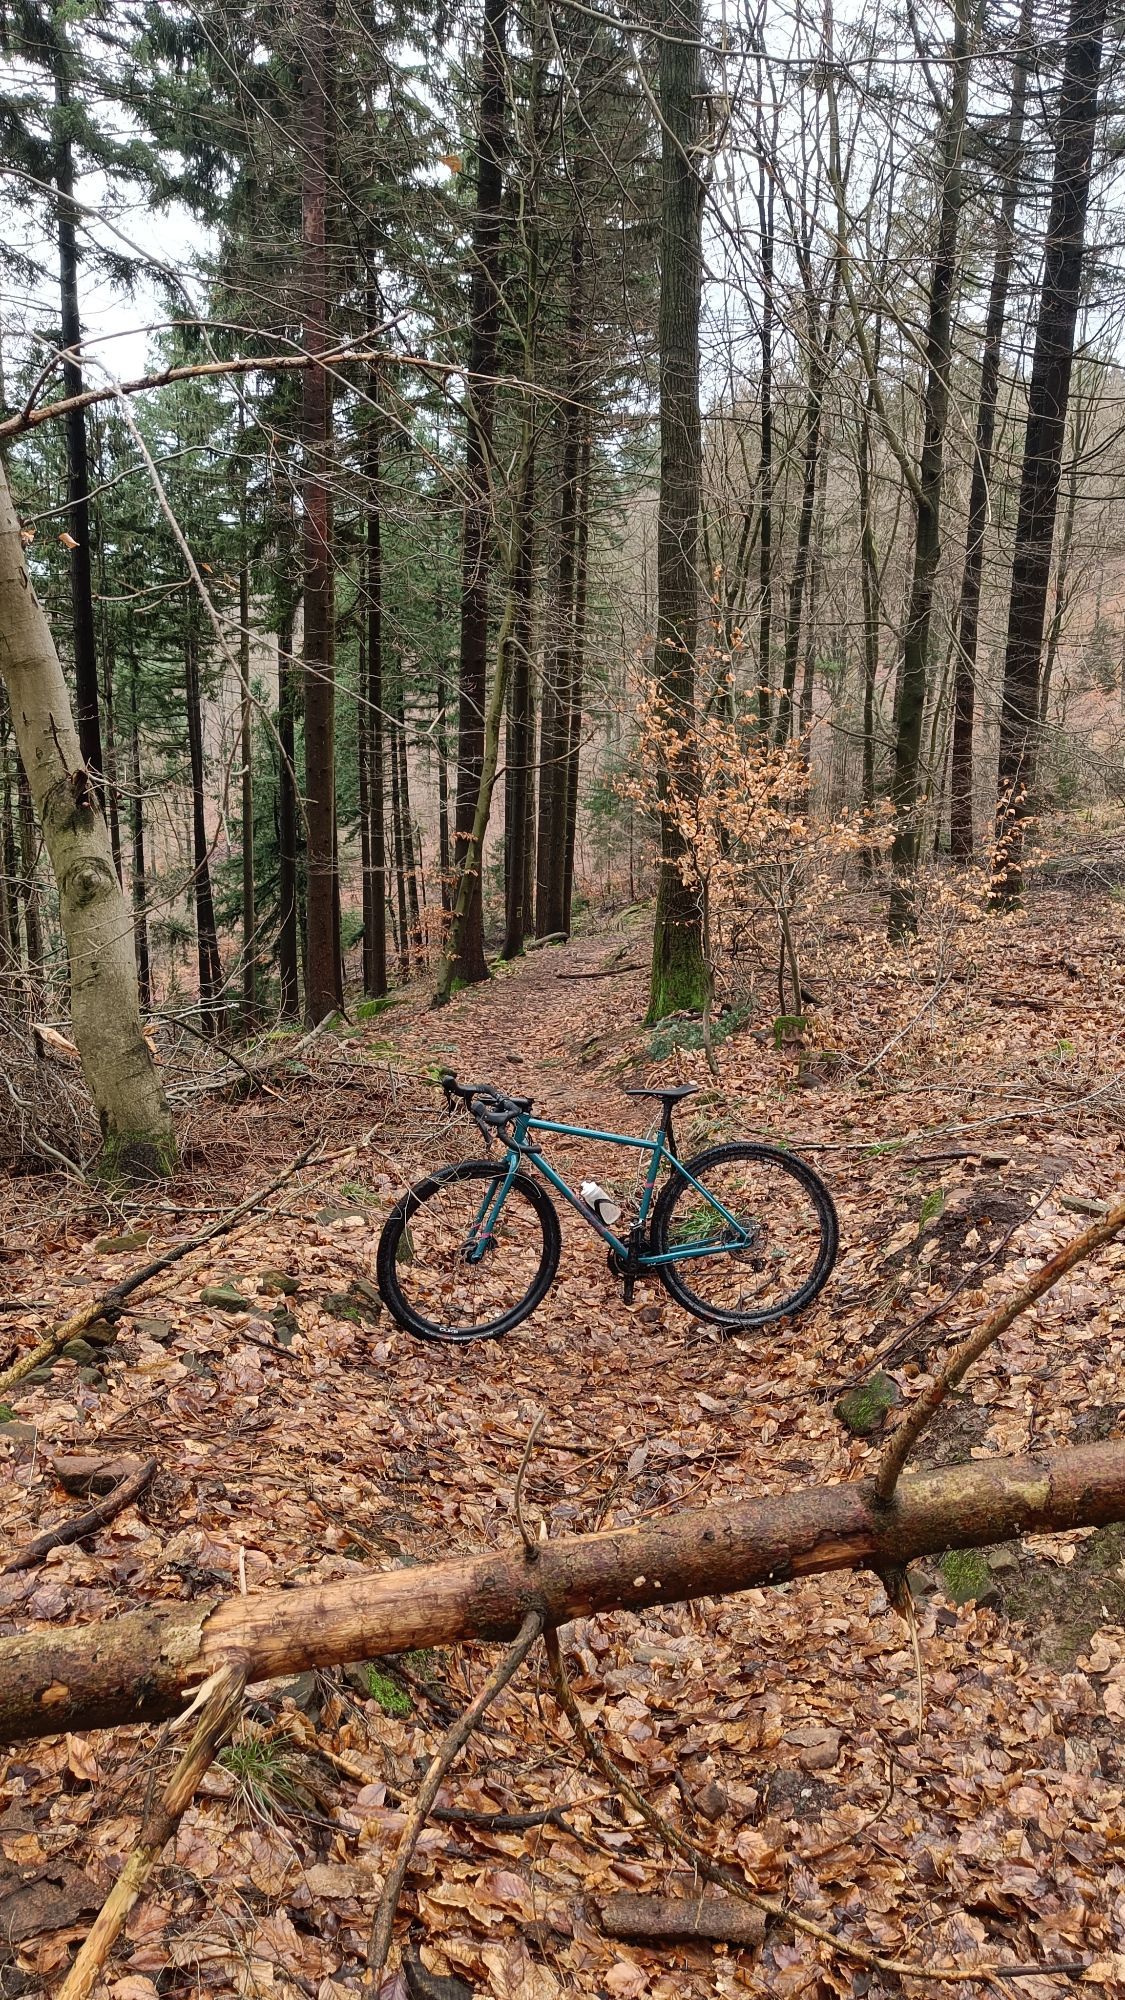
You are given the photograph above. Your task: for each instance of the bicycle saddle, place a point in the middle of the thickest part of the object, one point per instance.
(668, 1093)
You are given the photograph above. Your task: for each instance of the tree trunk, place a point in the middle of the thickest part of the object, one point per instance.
(961, 836)
(287, 854)
(77, 455)
(558, 677)
(249, 884)
(445, 864)
(136, 1126)
(869, 584)
(398, 840)
(138, 1667)
(927, 539)
(680, 977)
(819, 342)
(324, 991)
(137, 833)
(484, 335)
(375, 871)
(577, 672)
(766, 187)
(206, 929)
(519, 783)
(29, 886)
(1043, 439)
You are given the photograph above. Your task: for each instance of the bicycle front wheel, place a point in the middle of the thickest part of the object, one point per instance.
(760, 1228)
(450, 1268)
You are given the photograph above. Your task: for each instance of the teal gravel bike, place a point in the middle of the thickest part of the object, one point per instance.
(741, 1235)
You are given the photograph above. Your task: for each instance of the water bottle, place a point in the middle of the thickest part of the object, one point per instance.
(605, 1208)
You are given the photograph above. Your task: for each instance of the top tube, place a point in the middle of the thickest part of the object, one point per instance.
(590, 1132)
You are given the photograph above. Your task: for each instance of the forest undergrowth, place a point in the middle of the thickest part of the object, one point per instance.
(963, 1097)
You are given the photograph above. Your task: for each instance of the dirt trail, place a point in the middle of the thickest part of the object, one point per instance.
(789, 1712)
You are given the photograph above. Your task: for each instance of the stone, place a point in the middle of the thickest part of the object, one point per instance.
(119, 1246)
(225, 1298)
(159, 1330)
(12, 1432)
(712, 1801)
(285, 1326)
(863, 1410)
(818, 1749)
(80, 1350)
(272, 1283)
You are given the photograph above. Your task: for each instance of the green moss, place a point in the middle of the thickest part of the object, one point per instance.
(788, 1024)
(680, 981)
(864, 1408)
(967, 1575)
(137, 1156)
(674, 1034)
(392, 1699)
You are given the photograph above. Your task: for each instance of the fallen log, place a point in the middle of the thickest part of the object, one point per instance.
(141, 1666)
(710, 1918)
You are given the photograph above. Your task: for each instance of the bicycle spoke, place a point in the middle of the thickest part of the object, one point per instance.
(459, 1266)
(756, 1232)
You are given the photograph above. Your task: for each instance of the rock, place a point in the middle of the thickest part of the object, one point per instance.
(863, 1410)
(79, 1350)
(361, 1301)
(271, 1283)
(1002, 1559)
(967, 1577)
(337, 1214)
(712, 1801)
(225, 1298)
(421, 1984)
(86, 1473)
(42, 1374)
(101, 1332)
(285, 1326)
(91, 1378)
(12, 1432)
(119, 1246)
(301, 1691)
(818, 1749)
(159, 1330)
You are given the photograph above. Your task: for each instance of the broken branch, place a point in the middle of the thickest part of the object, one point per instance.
(137, 1667)
(905, 1436)
(217, 1718)
(452, 1743)
(107, 1305)
(122, 1495)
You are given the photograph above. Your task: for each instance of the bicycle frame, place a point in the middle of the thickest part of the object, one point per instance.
(660, 1149)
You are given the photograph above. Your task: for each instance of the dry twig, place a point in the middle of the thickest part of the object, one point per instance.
(905, 1436)
(120, 1497)
(107, 1305)
(217, 1717)
(722, 1878)
(452, 1743)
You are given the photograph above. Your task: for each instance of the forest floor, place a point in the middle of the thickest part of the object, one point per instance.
(964, 1100)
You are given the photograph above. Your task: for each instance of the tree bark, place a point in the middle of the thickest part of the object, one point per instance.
(961, 833)
(136, 1125)
(206, 929)
(484, 319)
(246, 719)
(1048, 394)
(375, 872)
(29, 887)
(77, 454)
(324, 991)
(288, 954)
(905, 784)
(139, 884)
(138, 1667)
(680, 977)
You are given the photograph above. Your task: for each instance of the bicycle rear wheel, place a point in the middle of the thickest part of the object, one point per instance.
(448, 1270)
(772, 1256)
